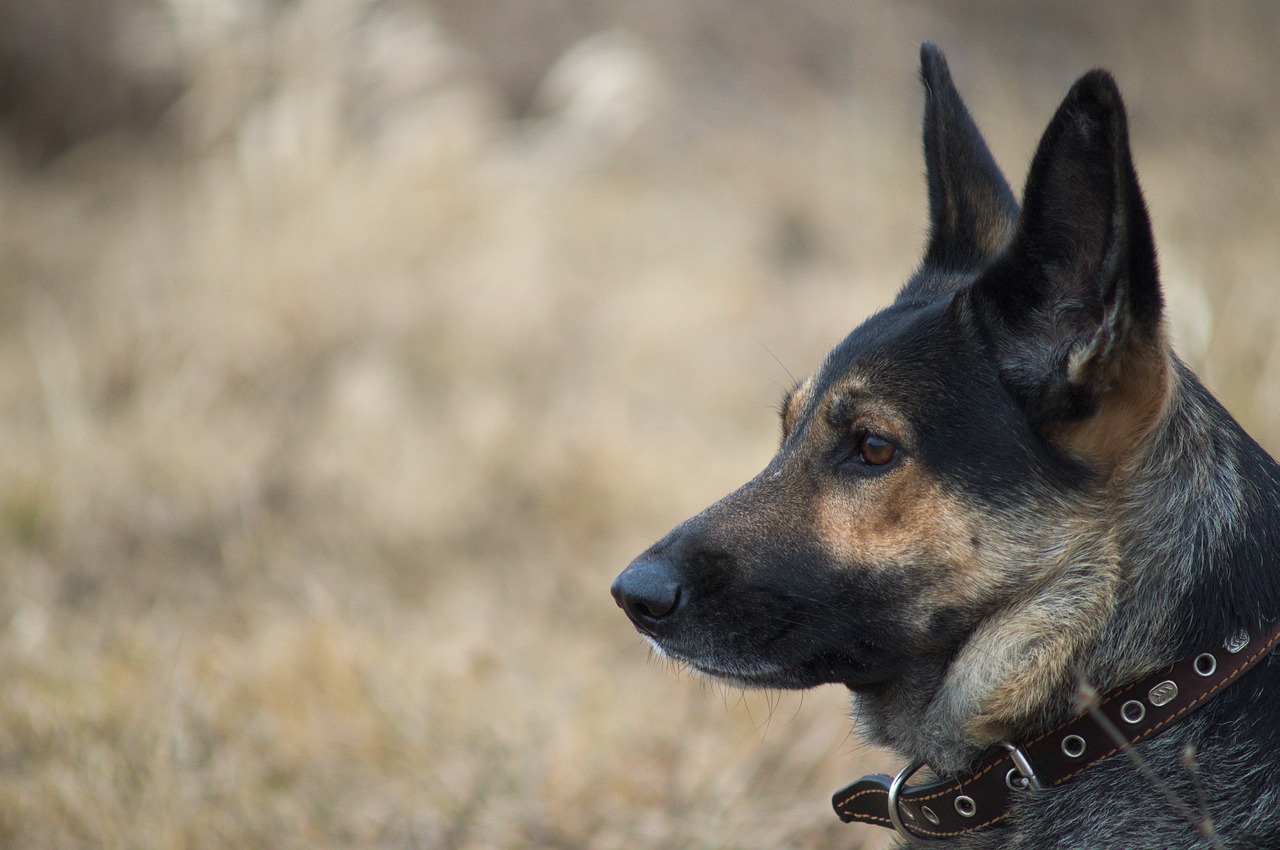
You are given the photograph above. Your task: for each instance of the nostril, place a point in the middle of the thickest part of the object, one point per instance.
(652, 609)
(647, 591)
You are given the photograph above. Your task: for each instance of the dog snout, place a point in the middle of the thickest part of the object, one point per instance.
(649, 591)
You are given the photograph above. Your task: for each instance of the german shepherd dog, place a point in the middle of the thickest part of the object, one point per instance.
(1002, 486)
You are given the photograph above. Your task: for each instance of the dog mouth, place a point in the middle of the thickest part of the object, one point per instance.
(737, 671)
(820, 667)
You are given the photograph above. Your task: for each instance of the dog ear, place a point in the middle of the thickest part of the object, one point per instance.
(972, 210)
(1074, 305)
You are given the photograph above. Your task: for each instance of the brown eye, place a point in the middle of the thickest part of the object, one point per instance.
(876, 451)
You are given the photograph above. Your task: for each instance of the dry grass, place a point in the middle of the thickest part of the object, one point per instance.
(328, 414)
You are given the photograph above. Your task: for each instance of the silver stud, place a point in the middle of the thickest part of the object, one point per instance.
(1237, 642)
(1163, 693)
(1073, 746)
(1133, 711)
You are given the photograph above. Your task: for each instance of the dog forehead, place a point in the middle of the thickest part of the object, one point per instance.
(896, 350)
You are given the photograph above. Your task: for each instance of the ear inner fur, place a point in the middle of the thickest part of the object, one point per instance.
(1133, 400)
(972, 211)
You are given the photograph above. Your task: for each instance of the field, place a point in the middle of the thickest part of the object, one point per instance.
(342, 371)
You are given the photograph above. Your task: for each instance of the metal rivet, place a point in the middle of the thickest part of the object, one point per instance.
(1016, 781)
(1133, 711)
(930, 816)
(1073, 746)
(1205, 664)
(966, 806)
(1237, 642)
(1163, 693)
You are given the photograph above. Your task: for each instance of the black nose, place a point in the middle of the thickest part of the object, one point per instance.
(649, 591)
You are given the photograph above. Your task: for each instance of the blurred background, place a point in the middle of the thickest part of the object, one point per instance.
(349, 348)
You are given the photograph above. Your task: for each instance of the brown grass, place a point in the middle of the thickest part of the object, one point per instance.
(328, 413)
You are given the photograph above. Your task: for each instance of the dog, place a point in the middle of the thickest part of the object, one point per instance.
(999, 499)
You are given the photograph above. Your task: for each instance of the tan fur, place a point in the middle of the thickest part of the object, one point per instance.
(997, 228)
(1020, 659)
(796, 402)
(901, 519)
(1138, 391)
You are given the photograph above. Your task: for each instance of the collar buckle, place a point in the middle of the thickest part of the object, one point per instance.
(895, 811)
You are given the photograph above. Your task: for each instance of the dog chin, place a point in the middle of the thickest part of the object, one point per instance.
(748, 675)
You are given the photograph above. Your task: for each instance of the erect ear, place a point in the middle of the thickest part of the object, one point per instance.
(1074, 306)
(972, 211)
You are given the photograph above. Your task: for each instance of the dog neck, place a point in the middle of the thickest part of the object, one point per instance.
(1198, 539)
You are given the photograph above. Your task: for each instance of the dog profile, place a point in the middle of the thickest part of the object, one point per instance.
(997, 496)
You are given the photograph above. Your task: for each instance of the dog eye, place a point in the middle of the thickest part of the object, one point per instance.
(876, 451)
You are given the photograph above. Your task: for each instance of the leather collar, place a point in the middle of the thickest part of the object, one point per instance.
(950, 807)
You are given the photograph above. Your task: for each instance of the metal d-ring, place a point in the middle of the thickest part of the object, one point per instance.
(895, 790)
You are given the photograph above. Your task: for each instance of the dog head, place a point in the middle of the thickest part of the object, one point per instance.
(936, 530)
